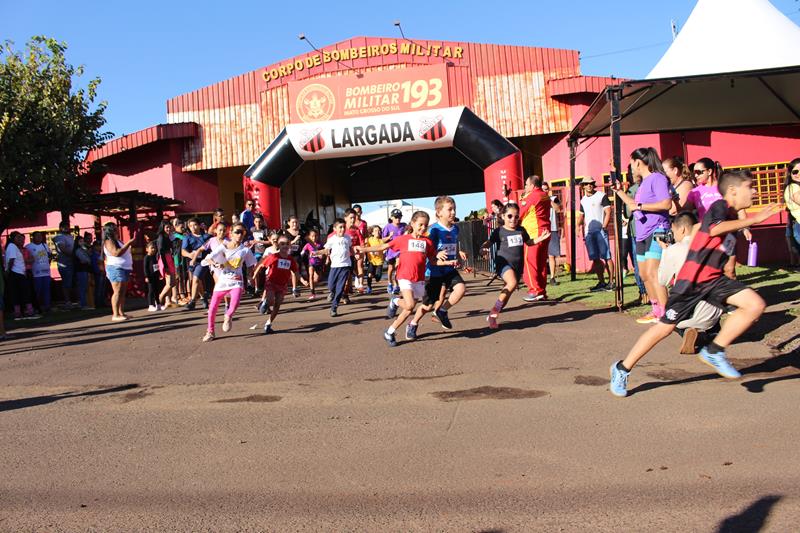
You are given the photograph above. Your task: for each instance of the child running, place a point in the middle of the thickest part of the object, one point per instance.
(393, 229)
(339, 248)
(279, 270)
(444, 236)
(315, 264)
(263, 306)
(509, 240)
(414, 249)
(701, 279)
(227, 259)
(375, 259)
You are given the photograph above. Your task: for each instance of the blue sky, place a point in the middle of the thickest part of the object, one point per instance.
(146, 51)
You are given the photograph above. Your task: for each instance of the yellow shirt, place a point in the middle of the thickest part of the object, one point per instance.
(375, 258)
(791, 205)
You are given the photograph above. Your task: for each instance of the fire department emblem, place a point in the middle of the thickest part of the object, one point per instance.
(315, 103)
(312, 141)
(432, 129)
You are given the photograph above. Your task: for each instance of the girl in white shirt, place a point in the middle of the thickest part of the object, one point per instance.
(227, 259)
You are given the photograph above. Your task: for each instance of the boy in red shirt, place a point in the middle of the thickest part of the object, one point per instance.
(279, 268)
(351, 222)
(414, 249)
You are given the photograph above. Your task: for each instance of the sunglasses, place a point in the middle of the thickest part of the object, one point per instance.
(509, 216)
(795, 172)
(698, 172)
(283, 243)
(238, 231)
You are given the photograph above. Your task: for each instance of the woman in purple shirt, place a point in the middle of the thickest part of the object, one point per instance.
(650, 211)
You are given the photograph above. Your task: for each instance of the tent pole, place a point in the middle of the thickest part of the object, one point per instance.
(573, 144)
(614, 96)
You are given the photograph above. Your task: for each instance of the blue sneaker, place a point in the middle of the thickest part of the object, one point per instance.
(389, 338)
(268, 329)
(441, 314)
(391, 311)
(719, 363)
(396, 290)
(619, 381)
(390, 289)
(263, 308)
(369, 290)
(411, 332)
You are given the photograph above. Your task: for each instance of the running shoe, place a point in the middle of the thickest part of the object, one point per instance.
(330, 296)
(334, 313)
(689, 342)
(530, 297)
(312, 297)
(389, 338)
(619, 381)
(390, 289)
(152, 308)
(190, 306)
(553, 281)
(492, 320)
(396, 290)
(227, 324)
(391, 311)
(649, 318)
(600, 287)
(296, 293)
(204, 303)
(720, 363)
(268, 329)
(208, 336)
(441, 314)
(369, 290)
(346, 300)
(411, 332)
(263, 307)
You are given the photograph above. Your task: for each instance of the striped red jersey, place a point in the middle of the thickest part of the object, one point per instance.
(707, 255)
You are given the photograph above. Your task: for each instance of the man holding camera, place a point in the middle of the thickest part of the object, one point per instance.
(676, 248)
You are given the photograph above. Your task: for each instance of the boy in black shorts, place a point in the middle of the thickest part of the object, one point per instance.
(701, 279)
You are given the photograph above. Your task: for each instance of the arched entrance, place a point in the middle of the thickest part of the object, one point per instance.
(454, 127)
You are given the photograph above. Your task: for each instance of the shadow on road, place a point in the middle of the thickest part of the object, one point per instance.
(22, 403)
(771, 365)
(751, 519)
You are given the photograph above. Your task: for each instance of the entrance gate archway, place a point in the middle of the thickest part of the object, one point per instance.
(455, 127)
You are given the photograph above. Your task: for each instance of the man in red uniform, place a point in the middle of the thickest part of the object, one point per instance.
(534, 214)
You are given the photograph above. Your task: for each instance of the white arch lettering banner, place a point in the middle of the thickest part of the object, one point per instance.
(380, 134)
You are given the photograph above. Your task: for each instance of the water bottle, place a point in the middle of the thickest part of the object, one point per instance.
(752, 254)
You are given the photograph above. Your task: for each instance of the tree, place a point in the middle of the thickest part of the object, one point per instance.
(47, 126)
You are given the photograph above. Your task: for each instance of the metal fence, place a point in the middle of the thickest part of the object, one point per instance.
(471, 235)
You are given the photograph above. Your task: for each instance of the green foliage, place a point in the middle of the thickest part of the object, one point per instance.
(47, 126)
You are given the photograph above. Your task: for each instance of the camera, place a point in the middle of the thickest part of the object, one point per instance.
(667, 238)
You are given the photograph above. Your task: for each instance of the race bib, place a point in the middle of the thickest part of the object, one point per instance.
(295, 247)
(450, 247)
(284, 264)
(417, 246)
(514, 240)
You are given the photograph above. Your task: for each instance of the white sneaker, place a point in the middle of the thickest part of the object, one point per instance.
(152, 308)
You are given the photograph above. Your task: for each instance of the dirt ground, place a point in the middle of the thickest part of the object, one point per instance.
(321, 427)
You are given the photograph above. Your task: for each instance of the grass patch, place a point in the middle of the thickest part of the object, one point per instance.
(775, 285)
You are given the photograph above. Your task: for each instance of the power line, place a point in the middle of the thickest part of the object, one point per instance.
(626, 50)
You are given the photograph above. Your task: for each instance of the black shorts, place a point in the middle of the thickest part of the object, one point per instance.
(434, 286)
(376, 271)
(391, 261)
(681, 306)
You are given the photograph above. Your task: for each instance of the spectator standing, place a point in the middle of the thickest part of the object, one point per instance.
(650, 210)
(179, 291)
(119, 264)
(18, 284)
(152, 277)
(166, 263)
(554, 247)
(193, 251)
(217, 218)
(791, 196)
(247, 218)
(99, 274)
(64, 243)
(41, 257)
(535, 218)
(83, 269)
(593, 219)
(629, 239)
(681, 179)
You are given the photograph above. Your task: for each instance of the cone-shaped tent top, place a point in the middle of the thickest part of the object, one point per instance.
(731, 36)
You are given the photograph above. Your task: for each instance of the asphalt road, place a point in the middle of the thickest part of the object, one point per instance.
(321, 427)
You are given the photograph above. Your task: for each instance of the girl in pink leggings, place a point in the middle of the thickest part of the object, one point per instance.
(228, 259)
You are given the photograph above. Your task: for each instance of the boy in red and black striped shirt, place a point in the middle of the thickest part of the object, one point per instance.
(701, 279)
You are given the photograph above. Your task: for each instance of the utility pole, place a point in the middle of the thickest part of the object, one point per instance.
(674, 27)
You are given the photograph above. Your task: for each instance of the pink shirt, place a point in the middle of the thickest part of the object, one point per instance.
(701, 197)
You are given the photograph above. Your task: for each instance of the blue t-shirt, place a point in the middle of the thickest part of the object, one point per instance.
(443, 239)
(192, 242)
